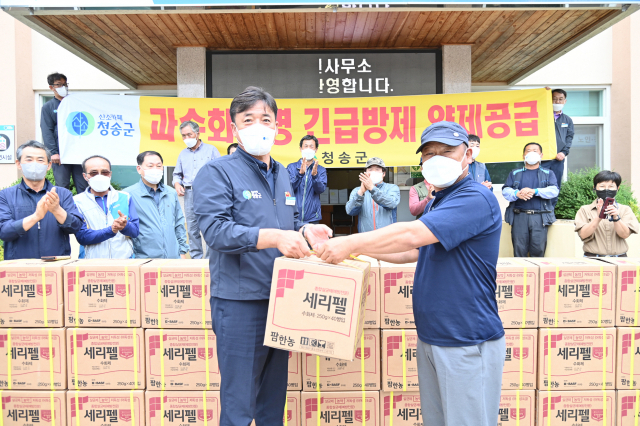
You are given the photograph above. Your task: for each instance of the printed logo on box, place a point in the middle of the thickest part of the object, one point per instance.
(125, 415)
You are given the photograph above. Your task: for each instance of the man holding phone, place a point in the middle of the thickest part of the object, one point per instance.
(110, 217)
(604, 225)
(529, 191)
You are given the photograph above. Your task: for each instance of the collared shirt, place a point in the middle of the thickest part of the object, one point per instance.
(605, 240)
(454, 300)
(190, 162)
(557, 114)
(47, 237)
(266, 172)
(156, 194)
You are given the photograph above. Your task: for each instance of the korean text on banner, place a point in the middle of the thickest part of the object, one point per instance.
(350, 130)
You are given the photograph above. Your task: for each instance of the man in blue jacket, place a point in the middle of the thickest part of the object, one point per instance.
(161, 220)
(308, 180)
(36, 217)
(249, 217)
(374, 201)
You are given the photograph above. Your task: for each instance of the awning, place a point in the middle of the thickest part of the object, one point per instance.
(138, 46)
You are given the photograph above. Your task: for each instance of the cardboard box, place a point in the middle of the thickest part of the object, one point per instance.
(26, 408)
(406, 410)
(183, 358)
(294, 382)
(292, 408)
(521, 359)
(578, 357)
(513, 301)
(577, 408)
(316, 307)
(517, 406)
(392, 367)
(105, 408)
(324, 197)
(396, 289)
(33, 356)
(102, 298)
(372, 307)
(178, 408)
(627, 408)
(626, 276)
(578, 292)
(339, 375)
(343, 196)
(105, 358)
(628, 346)
(184, 294)
(340, 408)
(22, 302)
(334, 196)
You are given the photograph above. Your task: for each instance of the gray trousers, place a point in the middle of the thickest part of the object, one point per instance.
(195, 239)
(62, 174)
(528, 235)
(460, 386)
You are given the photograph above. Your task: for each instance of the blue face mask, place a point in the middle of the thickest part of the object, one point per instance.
(34, 171)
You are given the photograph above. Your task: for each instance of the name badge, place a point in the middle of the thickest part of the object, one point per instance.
(564, 125)
(291, 201)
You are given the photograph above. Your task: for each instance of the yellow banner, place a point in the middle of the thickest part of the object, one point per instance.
(351, 130)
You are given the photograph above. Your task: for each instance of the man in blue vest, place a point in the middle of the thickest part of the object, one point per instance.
(478, 170)
(110, 217)
(529, 191)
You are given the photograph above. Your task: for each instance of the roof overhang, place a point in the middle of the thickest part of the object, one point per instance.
(137, 46)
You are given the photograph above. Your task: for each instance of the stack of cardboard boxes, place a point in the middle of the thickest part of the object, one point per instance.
(348, 377)
(138, 345)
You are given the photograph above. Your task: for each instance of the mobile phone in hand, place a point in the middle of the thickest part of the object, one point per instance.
(607, 202)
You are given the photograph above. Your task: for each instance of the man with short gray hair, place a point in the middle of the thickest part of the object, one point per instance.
(190, 161)
(36, 217)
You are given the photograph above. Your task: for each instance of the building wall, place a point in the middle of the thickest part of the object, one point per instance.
(49, 57)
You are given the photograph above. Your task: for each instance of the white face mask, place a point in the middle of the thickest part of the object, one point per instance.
(34, 171)
(308, 153)
(191, 142)
(153, 176)
(557, 107)
(257, 139)
(475, 151)
(442, 172)
(532, 158)
(62, 91)
(376, 177)
(100, 183)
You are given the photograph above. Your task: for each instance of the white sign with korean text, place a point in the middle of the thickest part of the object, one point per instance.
(107, 125)
(7, 144)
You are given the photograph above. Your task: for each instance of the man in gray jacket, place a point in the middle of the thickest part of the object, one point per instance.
(374, 201)
(564, 137)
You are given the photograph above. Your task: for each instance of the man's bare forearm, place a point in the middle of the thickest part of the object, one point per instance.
(393, 239)
(409, 256)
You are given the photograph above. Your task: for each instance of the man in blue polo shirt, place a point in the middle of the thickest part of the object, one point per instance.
(461, 345)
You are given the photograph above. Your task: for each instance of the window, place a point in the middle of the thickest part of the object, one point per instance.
(586, 103)
(584, 149)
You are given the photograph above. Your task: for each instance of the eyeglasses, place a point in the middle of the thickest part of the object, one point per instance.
(93, 173)
(58, 85)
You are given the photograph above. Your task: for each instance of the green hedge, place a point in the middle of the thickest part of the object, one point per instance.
(578, 191)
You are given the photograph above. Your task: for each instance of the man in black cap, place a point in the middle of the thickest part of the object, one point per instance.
(461, 345)
(375, 202)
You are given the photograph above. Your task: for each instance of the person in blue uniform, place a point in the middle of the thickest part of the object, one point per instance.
(248, 217)
(530, 192)
(461, 345)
